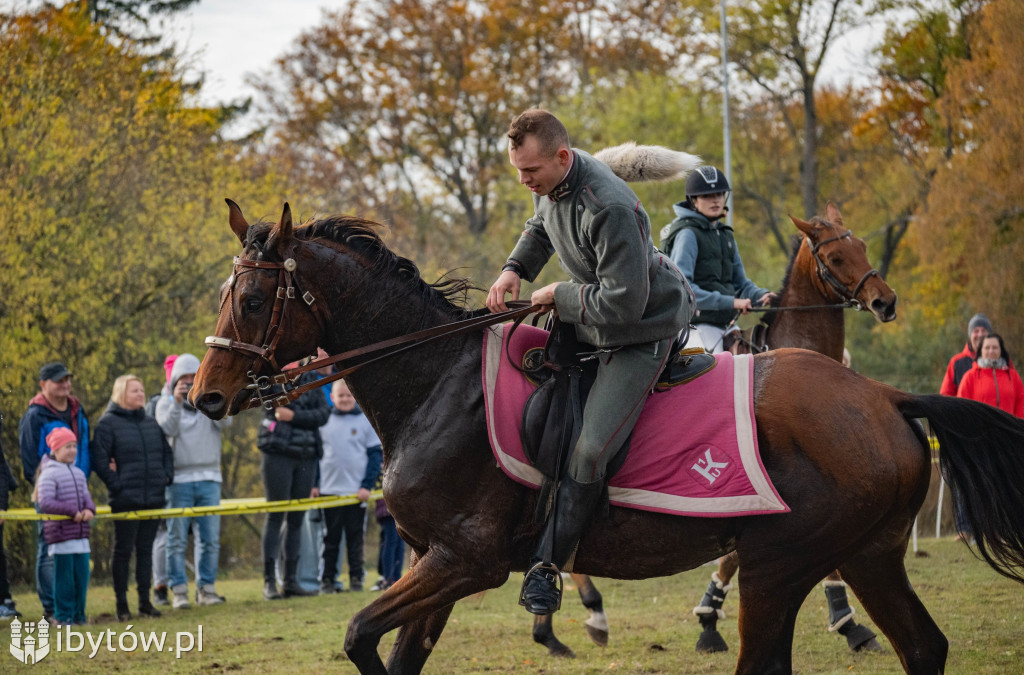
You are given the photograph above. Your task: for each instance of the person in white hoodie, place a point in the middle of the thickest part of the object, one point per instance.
(196, 441)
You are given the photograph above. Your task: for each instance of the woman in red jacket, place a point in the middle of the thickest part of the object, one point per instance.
(993, 379)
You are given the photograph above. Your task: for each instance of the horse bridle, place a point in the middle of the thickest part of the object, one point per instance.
(825, 274)
(288, 289)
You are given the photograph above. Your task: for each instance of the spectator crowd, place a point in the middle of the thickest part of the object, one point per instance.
(162, 453)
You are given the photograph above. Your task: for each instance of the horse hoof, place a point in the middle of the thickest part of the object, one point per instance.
(562, 651)
(598, 636)
(861, 639)
(711, 642)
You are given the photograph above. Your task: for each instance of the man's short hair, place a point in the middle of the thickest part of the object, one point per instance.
(549, 130)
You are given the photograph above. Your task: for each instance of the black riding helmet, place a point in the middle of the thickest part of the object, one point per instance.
(706, 180)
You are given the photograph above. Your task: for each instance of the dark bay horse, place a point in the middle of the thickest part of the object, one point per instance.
(828, 272)
(845, 453)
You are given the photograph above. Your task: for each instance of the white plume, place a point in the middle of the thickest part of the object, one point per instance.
(639, 163)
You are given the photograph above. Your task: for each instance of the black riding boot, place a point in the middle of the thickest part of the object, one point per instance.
(270, 591)
(291, 587)
(574, 505)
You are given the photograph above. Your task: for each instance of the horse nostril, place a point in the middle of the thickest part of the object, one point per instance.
(883, 309)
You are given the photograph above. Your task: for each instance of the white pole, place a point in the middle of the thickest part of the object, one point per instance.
(938, 510)
(915, 535)
(725, 109)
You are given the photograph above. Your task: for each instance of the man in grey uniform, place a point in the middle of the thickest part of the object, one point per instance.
(623, 296)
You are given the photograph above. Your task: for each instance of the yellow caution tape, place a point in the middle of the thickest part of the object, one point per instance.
(227, 507)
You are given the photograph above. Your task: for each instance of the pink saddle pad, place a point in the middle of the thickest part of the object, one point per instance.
(694, 449)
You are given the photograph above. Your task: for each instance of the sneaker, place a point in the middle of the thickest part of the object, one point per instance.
(7, 610)
(327, 587)
(206, 596)
(355, 585)
(160, 596)
(181, 600)
(123, 614)
(381, 585)
(270, 591)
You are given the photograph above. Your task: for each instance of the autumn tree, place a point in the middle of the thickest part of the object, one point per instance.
(779, 48)
(971, 234)
(413, 97)
(114, 226)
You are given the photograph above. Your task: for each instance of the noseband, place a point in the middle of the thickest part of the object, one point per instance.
(825, 274)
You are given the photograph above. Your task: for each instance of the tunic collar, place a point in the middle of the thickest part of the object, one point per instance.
(565, 187)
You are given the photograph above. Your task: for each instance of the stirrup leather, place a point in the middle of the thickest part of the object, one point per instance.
(542, 569)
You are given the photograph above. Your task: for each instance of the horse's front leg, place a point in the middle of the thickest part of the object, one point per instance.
(419, 603)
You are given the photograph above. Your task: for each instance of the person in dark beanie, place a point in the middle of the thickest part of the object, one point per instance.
(289, 439)
(977, 328)
(52, 407)
(133, 458)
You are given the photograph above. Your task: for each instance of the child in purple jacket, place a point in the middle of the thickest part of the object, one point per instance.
(63, 491)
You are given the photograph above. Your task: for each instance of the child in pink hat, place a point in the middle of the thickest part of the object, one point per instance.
(63, 491)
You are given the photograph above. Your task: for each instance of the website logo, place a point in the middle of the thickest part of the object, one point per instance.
(30, 641)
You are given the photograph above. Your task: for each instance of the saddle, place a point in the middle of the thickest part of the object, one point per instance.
(564, 371)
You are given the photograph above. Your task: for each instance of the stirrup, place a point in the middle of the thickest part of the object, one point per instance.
(541, 569)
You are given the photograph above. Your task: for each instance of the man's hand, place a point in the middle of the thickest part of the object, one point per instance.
(314, 493)
(87, 515)
(544, 296)
(742, 304)
(507, 282)
(362, 494)
(284, 414)
(765, 299)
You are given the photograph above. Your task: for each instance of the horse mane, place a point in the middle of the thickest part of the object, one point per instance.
(448, 294)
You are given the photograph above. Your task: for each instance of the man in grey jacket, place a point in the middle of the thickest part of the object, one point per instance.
(624, 297)
(195, 439)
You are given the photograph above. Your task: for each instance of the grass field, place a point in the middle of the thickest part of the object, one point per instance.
(652, 629)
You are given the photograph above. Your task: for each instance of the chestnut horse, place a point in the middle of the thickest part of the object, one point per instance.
(827, 273)
(843, 451)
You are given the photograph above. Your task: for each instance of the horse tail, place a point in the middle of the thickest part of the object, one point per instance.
(981, 454)
(639, 163)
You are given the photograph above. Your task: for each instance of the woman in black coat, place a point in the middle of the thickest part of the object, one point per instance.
(132, 456)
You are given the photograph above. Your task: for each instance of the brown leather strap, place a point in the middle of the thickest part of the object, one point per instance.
(520, 308)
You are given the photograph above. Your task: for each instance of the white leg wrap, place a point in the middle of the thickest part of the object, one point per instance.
(597, 620)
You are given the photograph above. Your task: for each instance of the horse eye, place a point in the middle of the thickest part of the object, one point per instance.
(836, 260)
(253, 305)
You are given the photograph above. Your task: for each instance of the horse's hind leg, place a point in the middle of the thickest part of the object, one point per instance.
(881, 585)
(840, 617)
(709, 611)
(769, 604)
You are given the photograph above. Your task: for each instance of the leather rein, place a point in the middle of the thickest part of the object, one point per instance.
(288, 289)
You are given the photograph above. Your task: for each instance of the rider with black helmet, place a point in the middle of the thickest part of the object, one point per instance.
(702, 246)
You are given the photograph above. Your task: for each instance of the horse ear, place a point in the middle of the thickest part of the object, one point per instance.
(237, 221)
(281, 234)
(805, 227)
(832, 214)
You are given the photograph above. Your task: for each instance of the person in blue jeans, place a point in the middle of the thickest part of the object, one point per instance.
(196, 442)
(52, 407)
(392, 548)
